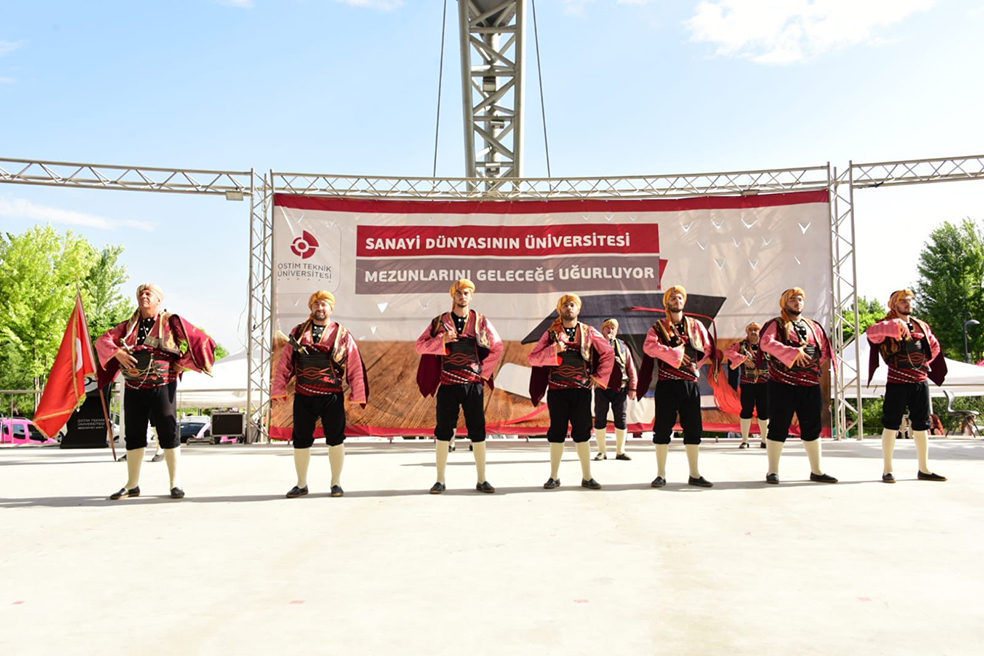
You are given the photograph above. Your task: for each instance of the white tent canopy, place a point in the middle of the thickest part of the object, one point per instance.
(961, 379)
(225, 388)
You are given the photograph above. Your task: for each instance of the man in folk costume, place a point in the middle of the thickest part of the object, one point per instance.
(914, 357)
(569, 357)
(320, 354)
(459, 351)
(749, 373)
(621, 387)
(682, 345)
(148, 349)
(798, 348)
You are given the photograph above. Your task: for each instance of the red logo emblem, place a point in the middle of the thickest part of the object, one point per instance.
(305, 245)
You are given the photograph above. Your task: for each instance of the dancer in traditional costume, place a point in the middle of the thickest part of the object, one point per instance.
(321, 355)
(148, 349)
(749, 373)
(913, 355)
(568, 359)
(459, 352)
(682, 345)
(799, 349)
(621, 388)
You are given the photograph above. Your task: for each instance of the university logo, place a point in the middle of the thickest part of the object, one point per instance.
(305, 245)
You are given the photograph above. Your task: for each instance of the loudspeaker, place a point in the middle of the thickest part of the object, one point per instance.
(228, 424)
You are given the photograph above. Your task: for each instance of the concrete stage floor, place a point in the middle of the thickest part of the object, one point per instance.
(744, 568)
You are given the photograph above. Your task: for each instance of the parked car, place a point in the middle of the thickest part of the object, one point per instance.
(17, 430)
(199, 429)
(195, 429)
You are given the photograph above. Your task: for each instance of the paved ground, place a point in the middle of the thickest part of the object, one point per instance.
(858, 567)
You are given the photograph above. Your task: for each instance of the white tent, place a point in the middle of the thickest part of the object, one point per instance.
(961, 379)
(225, 388)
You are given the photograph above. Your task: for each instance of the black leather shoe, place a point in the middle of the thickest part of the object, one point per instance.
(699, 482)
(762, 445)
(888, 478)
(659, 481)
(337, 491)
(551, 484)
(822, 478)
(772, 479)
(623, 456)
(177, 493)
(743, 445)
(923, 477)
(438, 488)
(591, 484)
(485, 487)
(297, 492)
(601, 456)
(125, 493)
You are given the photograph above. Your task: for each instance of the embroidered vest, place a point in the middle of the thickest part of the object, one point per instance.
(320, 368)
(758, 370)
(462, 362)
(573, 370)
(797, 375)
(908, 360)
(621, 360)
(155, 355)
(153, 368)
(693, 347)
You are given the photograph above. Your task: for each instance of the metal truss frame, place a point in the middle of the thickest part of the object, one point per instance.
(260, 189)
(844, 293)
(233, 185)
(493, 36)
(643, 186)
(871, 175)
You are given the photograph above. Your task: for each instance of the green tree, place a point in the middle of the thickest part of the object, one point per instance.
(40, 271)
(869, 312)
(105, 305)
(951, 272)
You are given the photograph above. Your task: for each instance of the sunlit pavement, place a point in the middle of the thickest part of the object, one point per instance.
(235, 568)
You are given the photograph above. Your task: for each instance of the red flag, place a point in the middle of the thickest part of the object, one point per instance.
(65, 390)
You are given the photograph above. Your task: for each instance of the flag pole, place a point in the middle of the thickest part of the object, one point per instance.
(109, 424)
(102, 397)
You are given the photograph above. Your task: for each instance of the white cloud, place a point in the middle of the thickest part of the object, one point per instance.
(19, 208)
(384, 5)
(240, 4)
(7, 47)
(788, 31)
(7, 80)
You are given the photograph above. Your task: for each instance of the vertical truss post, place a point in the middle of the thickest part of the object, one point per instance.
(260, 298)
(844, 277)
(492, 58)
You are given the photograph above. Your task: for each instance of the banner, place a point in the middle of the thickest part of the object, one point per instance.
(390, 265)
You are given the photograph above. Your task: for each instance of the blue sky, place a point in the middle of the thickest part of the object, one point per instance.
(349, 86)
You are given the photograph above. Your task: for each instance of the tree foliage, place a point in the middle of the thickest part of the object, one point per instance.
(869, 312)
(949, 291)
(40, 271)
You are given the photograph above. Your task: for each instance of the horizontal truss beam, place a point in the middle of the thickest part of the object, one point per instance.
(654, 186)
(129, 178)
(918, 171)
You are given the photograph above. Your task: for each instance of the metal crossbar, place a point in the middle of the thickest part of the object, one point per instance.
(649, 186)
(918, 171)
(130, 178)
(260, 189)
